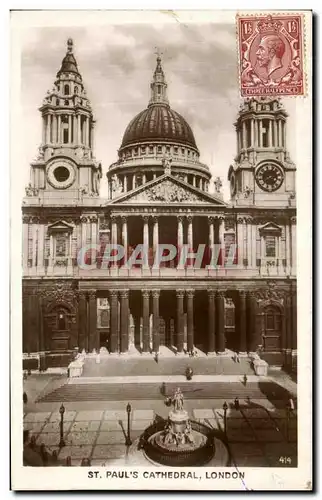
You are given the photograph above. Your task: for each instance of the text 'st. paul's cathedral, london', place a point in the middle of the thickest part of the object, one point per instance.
(162, 263)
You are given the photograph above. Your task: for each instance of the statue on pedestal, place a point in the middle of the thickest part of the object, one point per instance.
(166, 163)
(218, 185)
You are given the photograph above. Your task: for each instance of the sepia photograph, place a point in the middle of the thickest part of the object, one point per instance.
(157, 198)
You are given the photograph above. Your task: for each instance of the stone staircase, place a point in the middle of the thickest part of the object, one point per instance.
(157, 391)
(123, 365)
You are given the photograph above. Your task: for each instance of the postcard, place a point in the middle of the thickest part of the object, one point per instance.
(160, 298)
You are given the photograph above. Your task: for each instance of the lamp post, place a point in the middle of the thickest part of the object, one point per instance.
(128, 441)
(225, 408)
(61, 411)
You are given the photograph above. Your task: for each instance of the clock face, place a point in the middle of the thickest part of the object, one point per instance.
(269, 177)
(61, 174)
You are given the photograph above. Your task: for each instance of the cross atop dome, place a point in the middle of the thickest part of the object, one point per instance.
(70, 44)
(158, 84)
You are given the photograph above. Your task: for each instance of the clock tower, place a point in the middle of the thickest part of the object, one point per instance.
(263, 173)
(65, 170)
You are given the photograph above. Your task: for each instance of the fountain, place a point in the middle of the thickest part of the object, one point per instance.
(179, 441)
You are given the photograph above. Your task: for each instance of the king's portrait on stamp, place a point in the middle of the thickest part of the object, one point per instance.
(161, 322)
(271, 54)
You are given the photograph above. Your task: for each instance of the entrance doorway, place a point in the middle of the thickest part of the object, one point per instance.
(272, 328)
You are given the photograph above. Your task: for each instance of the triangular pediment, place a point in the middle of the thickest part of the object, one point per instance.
(60, 226)
(169, 190)
(270, 227)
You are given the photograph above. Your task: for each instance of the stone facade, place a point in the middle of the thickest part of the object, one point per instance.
(158, 195)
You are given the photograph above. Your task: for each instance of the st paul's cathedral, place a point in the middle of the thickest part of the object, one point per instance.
(159, 195)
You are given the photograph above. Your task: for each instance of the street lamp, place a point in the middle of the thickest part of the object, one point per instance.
(225, 408)
(128, 441)
(61, 411)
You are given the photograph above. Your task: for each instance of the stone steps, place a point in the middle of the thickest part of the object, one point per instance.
(149, 391)
(126, 366)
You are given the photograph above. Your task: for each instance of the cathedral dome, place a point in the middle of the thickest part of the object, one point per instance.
(158, 123)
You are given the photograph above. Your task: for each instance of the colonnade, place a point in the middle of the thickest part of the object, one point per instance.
(255, 128)
(79, 127)
(150, 304)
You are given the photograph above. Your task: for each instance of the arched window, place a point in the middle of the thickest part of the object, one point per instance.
(66, 102)
(76, 89)
(66, 89)
(57, 102)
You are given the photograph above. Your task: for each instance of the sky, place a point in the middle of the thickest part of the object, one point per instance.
(117, 62)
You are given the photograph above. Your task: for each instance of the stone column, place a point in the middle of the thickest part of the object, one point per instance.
(253, 244)
(242, 322)
(114, 236)
(59, 129)
(51, 251)
(69, 129)
(249, 243)
(220, 315)
(124, 326)
(25, 243)
(256, 133)
(284, 134)
(211, 240)
(240, 242)
(211, 322)
(146, 240)
(124, 239)
(75, 131)
(54, 128)
(280, 140)
(44, 123)
(87, 131)
(41, 244)
(179, 238)
(82, 320)
(190, 238)
(134, 181)
(194, 181)
(125, 183)
(79, 130)
(252, 137)
(146, 320)
(94, 240)
(270, 135)
(190, 323)
(83, 230)
(34, 241)
(260, 134)
(180, 319)
(92, 309)
(252, 311)
(244, 134)
(114, 341)
(155, 321)
(293, 244)
(222, 240)
(47, 130)
(155, 236)
(288, 246)
(144, 178)
(42, 342)
(275, 141)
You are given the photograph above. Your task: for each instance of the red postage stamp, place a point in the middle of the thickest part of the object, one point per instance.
(271, 55)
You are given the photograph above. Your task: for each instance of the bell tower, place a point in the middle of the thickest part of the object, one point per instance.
(65, 167)
(263, 173)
